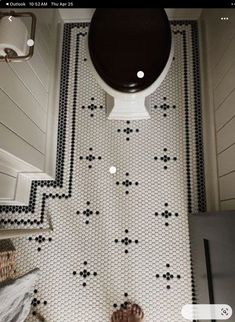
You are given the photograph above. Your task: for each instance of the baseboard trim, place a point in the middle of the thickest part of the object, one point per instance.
(23, 187)
(53, 105)
(210, 155)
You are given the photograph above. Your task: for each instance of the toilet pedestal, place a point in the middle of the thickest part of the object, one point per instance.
(129, 52)
(119, 109)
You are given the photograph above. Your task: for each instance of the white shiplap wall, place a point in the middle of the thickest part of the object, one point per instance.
(220, 46)
(25, 98)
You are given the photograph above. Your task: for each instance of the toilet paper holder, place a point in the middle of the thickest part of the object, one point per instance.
(10, 55)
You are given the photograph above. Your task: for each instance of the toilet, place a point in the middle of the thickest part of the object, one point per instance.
(129, 53)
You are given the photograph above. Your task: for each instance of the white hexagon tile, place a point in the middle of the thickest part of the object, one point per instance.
(123, 236)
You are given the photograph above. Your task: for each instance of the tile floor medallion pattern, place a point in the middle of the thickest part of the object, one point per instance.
(122, 236)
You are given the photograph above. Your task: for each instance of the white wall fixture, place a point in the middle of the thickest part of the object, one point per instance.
(14, 36)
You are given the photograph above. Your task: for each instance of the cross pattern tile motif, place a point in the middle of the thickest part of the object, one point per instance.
(166, 214)
(90, 157)
(164, 107)
(40, 240)
(37, 303)
(87, 147)
(92, 107)
(85, 274)
(127, 183)
(124, 304)
(168, 277)
(165, 158)
(88, 213)
(126, 241)
(128, 131)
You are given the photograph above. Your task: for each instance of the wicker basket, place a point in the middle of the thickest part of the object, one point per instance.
(7, 260)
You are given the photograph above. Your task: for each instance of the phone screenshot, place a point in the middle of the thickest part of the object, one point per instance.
(117, 162)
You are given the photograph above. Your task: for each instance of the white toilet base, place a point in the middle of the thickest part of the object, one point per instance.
(128, 106)
(118, 109)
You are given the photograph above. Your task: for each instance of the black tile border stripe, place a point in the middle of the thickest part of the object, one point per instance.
(58, 182)
(198, 120)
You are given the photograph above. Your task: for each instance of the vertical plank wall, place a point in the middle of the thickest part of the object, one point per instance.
(221, 53)
(24, 92)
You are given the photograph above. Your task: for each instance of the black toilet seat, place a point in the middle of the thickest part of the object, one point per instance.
(124, 41)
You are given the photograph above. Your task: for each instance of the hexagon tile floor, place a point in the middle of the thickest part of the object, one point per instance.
(122, 236)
